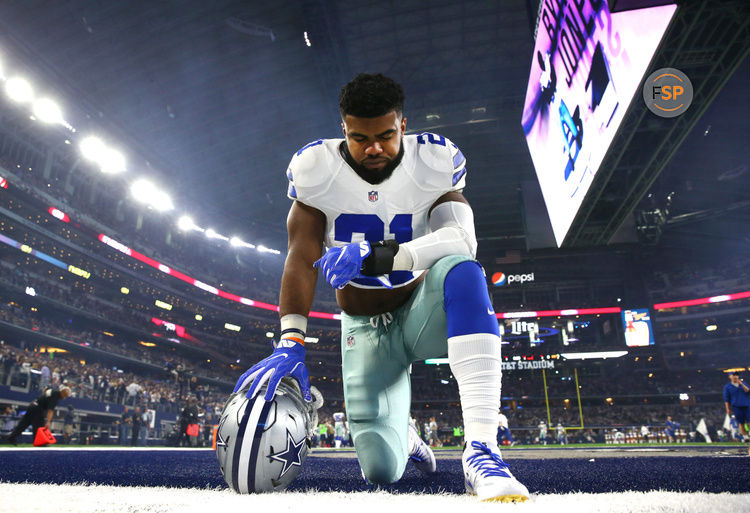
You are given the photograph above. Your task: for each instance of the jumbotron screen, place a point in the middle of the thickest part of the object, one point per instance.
(586, 67)
(636, 324)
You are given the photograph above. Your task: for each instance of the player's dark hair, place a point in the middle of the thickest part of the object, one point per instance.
(735, 374)
(371, 96)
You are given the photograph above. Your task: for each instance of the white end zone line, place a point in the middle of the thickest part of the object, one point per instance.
(114, 499)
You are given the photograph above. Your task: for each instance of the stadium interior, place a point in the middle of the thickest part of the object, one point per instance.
(142, 224)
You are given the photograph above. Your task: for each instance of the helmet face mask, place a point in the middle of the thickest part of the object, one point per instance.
(261, 445)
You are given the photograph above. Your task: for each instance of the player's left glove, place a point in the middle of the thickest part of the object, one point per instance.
(342, 264)
(287, 359)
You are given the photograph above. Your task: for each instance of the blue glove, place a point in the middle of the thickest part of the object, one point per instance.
(342, 264)
(288, 359)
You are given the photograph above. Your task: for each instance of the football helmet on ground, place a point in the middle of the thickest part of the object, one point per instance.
(261, 445)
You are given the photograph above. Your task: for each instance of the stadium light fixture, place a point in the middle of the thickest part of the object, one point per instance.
(237, 242)
(162, 304)
(92, 148)
(142, 190)
(58, 214)
(232, 327)
(185, 223)
(269, 334)
(213, 234)
(47, 111)
(146, 192)
(711, 327)
(18, 89)
(198, 317)
(263, 249)
(111, 161)
(161, 201)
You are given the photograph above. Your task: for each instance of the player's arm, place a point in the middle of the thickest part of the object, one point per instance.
(50, 412)
(306, 227)
(452, 224)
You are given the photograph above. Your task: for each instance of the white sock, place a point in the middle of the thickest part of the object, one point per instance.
(475, 362)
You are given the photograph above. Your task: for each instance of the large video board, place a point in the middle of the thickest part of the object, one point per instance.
(636, 324)
(586, 67)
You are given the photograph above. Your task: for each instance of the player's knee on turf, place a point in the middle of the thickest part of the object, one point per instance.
(380, 463)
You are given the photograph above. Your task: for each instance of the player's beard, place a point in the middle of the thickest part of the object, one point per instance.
(370, 175)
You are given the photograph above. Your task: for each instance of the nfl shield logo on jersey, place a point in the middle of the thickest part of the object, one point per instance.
(350, 341)
(373, 196)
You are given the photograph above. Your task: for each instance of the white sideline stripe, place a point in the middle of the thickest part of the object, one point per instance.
(114, 499)
(247, 445)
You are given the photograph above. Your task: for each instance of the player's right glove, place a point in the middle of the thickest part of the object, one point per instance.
(287, 359)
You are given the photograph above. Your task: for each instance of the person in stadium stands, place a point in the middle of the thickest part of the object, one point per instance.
(144, 425)
(8, 363)
(401, 249)
(134, 390)
(39, 413)
(68, 424)
(737, 402)
(7, 419)
(137, 422)
(645, 433)
(671, 429)
(503, 431)
(189, 415)
(46, 377)
(124, 423)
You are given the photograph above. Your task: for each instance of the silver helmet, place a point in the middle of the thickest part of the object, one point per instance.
(261, 445)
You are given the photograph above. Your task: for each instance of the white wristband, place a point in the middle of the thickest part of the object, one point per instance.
(294, 322)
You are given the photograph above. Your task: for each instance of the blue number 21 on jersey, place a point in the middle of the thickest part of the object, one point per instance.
(373, 229)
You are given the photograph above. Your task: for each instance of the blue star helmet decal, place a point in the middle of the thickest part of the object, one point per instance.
(289, 456)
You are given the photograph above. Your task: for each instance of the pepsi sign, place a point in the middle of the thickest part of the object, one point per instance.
(500, 279)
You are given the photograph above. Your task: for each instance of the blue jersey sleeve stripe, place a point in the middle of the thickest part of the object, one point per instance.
(292, 192)
(458, 159)
(314, 143)
(458, 175)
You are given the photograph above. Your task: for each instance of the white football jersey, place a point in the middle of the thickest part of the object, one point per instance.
(397, 208)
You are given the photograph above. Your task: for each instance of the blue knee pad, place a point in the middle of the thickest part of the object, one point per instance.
(467, 302)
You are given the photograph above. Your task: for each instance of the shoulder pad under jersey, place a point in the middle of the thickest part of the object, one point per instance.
(312, 169)
(445, 161)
